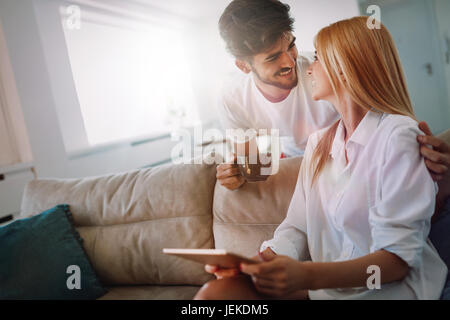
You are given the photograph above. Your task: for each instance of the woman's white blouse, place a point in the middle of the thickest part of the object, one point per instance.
(382, 199)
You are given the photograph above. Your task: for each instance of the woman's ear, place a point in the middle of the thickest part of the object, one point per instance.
(243, 65)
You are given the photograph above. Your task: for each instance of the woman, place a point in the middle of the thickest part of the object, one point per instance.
(364, 198)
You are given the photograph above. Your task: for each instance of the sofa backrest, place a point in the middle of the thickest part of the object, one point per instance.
(127, 219)
(243, 219)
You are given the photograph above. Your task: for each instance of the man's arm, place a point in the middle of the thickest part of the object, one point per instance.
(228, 174)
(437, 160)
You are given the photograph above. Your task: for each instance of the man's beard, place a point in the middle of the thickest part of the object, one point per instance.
(278, 84)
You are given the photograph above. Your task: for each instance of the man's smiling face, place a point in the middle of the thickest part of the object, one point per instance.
(278, 65)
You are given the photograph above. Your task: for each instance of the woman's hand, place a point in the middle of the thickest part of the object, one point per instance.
(280, 276)
(221, 273)
(266, 255)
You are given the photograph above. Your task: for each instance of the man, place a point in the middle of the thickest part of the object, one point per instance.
(273, 91)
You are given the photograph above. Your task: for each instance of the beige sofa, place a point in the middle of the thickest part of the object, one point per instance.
(127, 219)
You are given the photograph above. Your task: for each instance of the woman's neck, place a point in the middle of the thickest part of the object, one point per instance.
(351, 114)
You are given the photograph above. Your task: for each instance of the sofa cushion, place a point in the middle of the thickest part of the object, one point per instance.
(243, 219)
(37, 256)
(127, 219)
(151, 293)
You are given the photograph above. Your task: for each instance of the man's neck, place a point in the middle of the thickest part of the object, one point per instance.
(271, 93)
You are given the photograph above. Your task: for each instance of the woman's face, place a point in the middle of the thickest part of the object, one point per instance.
(321, 86)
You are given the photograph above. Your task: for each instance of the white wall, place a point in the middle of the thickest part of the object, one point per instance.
(28, 61)
(311, 16)
(26, 54)
(442, 8)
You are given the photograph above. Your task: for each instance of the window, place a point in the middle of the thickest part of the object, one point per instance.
(130, 70)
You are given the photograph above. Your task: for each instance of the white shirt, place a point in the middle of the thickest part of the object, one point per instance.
(242, 105)
(382, 199)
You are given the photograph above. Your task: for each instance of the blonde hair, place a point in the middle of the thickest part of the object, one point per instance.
(369, 62)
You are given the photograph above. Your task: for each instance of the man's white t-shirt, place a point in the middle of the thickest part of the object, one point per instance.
(242, 105)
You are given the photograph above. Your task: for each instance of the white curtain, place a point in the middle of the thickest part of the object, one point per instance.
(8, 154)
(14, 144)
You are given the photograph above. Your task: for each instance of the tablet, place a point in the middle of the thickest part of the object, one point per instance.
(219, 257)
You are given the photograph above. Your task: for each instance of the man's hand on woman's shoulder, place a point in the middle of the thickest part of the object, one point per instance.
(437, 159)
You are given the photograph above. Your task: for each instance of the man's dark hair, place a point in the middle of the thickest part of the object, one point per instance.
(250, 27)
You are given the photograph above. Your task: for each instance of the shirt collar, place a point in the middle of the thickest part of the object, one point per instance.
(362, 134)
